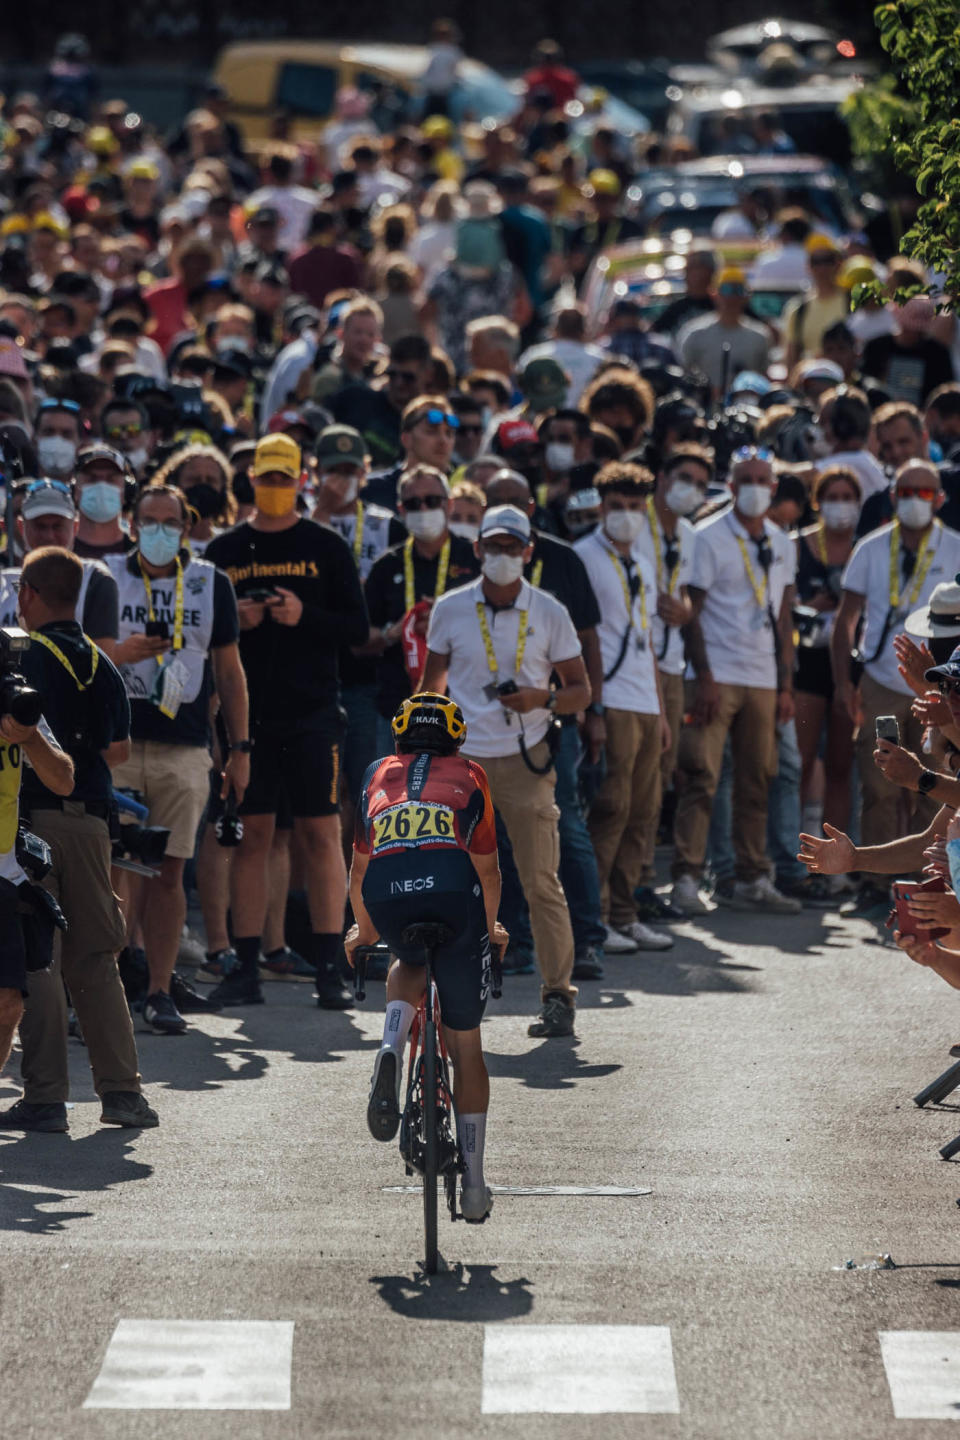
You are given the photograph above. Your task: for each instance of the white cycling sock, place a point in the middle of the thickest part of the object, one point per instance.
(396, 1025)
(472, 1132)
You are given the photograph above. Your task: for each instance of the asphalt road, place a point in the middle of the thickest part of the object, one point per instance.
(760, 1087)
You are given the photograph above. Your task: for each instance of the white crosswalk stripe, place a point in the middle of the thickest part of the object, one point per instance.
(195, 1365)
(578, 1370)
(923, 1372)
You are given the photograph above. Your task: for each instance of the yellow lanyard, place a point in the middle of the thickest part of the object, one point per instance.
(409, 594)
(658, 551)
(759, 588)
(488, 640)
(177, 608)
(58, 654)
(537, 573)
(625, 584)
(358, 537)
(924, 560)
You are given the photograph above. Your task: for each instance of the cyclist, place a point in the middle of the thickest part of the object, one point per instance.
(425, 849)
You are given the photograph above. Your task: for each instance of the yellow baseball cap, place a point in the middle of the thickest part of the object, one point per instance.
(437, 127)
(277, 453)
(604, 182)
(732, 275)
(858, 270)
(819, 244)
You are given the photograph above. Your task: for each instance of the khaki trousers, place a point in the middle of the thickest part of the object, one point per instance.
(671, 688)
(85, 957)
(527, 806)
(886, 808)
(748, 715)
(625, 812)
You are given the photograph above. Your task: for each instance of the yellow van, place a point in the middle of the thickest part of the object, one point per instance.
(302, 77)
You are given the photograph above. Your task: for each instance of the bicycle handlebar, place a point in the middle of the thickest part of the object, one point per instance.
(363, 953)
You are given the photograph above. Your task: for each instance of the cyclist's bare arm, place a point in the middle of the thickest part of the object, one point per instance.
(487, 867)
(363, 932)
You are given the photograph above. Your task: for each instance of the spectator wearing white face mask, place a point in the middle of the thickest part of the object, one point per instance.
(626, 717)
(102, 484)
(741, 588)
(58, 433)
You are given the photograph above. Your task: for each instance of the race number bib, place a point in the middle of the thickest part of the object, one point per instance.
(413, 824)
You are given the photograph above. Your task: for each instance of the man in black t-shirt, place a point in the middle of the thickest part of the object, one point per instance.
(557, 568)
(300, 601)
(86, 707)
(414, 574)
(177, 640)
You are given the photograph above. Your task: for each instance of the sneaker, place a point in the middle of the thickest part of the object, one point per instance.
(286, 964)
(760, 894)
(556, 1018)
(191, 952)
(218, 964)
(189, 1001)
(686, 897)
(237, 988)
(615, 943)
(128, 1108)
(134, 974)
(162, 1015)
(651, 906)
(814, 890)
(722, 891)
(645, 938)
(333, 992)
(383, 1107)
(517, 962)
(586, 965)
(476, 1202)
(45, 1119)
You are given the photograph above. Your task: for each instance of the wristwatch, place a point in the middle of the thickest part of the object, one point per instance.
(927, 781)
(551, 701)
(596, 708)
(244, 747)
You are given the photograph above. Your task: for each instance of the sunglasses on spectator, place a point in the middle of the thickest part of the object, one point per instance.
(471, 429)
(752, 452)
(949, 687)
(409, 377)
(70, 406)
(924, 493)
(439, 417)
(170, 528)
(124, 432)
(424, 502)
(60, 485)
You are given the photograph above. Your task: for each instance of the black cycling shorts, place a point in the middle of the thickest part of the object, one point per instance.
(813, 673)
(301, 769)
(436, 885)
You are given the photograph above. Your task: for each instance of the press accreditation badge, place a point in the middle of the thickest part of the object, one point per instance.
(169, 687)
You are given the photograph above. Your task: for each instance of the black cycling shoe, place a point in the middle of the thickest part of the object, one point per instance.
(383, 1108)
(332, 990)
(189, 1001)
(237, 988)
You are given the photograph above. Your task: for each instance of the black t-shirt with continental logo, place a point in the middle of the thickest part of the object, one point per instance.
(292, 670)
(386, 591)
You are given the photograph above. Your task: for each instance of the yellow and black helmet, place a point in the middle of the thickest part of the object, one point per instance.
(429, 722)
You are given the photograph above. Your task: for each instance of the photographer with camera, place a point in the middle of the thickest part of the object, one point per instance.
(178, 641)
(85, 703)
(26, 928)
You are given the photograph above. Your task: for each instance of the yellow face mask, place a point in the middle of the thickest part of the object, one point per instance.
(274, 500)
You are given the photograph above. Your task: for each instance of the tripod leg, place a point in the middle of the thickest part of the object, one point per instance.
(940, 1088)
(948, 1151)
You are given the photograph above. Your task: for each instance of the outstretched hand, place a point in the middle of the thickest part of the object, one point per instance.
(834, 854)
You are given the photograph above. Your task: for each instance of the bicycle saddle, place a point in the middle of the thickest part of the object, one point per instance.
(428, 935)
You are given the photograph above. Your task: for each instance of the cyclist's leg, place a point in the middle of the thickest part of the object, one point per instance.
(471, 1098)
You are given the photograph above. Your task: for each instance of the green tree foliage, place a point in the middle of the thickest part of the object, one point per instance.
(908, 122)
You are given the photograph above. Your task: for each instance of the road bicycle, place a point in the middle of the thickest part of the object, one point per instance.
(428, 1130)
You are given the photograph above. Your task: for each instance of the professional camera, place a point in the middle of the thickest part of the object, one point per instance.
(17, 699)
(135, 844)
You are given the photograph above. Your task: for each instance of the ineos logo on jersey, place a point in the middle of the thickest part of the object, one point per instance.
(411, 887)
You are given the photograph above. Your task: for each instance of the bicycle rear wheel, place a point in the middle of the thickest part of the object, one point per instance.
(430, 1135)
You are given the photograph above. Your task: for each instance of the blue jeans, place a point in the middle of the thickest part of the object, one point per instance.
(783, 806)
(578, 866)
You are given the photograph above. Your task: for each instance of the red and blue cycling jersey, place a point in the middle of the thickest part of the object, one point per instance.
(422, 803)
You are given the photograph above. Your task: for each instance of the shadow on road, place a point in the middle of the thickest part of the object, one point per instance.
(45, 1170)
(470, 1294)
(554, 1065)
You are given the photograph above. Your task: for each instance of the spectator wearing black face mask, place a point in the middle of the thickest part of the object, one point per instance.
(623, 402)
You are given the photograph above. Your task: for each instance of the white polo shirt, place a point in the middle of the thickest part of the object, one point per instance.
(868, 574)
(736, 628)
(670, 657)
(634, 686)
(455, 631)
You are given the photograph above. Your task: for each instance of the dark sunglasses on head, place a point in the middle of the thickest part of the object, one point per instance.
(439, 417)
(70, 406)
(752, 452)
(424, 502)
(60, 485)
(948, 687)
